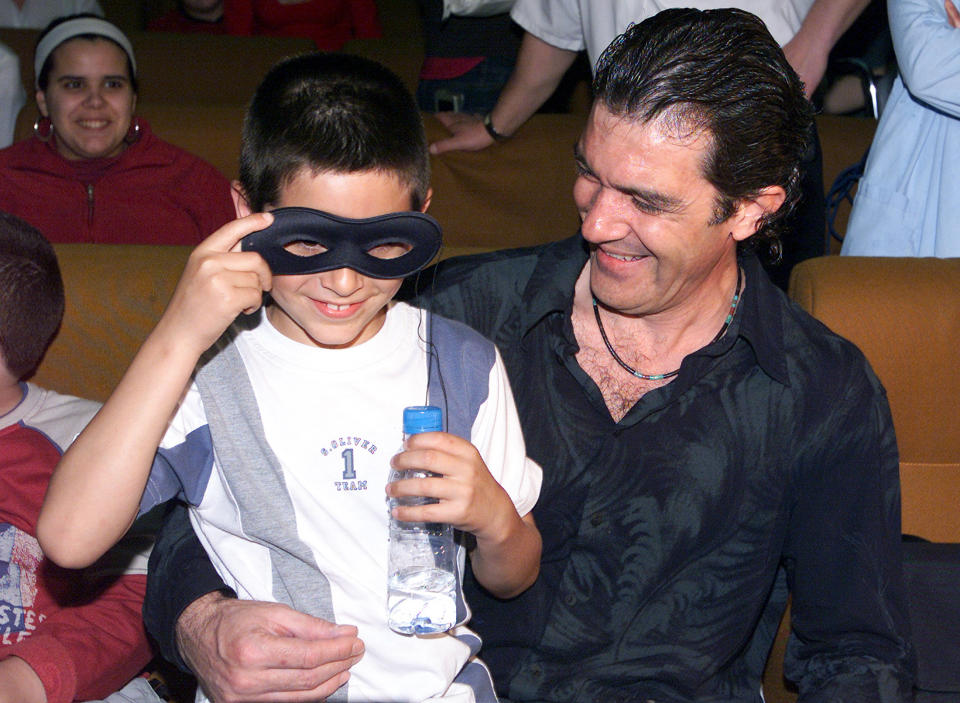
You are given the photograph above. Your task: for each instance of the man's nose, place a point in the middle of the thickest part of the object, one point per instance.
(603, 216)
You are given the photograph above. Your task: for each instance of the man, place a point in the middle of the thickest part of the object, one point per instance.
(704, 441)
(556, 30)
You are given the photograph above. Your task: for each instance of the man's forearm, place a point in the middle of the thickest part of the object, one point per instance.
(177, 552)
(538, 71)
(823, 25)
(829, 19)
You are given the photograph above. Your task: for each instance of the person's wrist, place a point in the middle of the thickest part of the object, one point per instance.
(496, 135)
(195, 618)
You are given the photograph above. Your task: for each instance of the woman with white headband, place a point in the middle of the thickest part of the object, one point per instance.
(93, 171)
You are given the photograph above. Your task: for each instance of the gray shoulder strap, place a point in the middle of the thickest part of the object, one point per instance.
(459, 360)
(255, 478)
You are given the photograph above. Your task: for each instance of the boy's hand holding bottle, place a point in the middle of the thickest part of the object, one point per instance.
(470, 499)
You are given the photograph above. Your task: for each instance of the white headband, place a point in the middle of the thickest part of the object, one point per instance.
(74, 28)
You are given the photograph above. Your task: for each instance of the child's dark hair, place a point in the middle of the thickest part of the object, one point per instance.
(331, 112)
(32, 293)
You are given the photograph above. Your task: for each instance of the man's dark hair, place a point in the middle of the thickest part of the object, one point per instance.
(43, 78)
(32, 293)
(331, 112)
(717, 72)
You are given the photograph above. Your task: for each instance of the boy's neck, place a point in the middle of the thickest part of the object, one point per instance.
(10, 393)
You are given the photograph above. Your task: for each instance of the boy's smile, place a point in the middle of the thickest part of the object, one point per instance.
(338, 308)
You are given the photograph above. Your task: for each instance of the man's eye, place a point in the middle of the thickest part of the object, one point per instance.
(584, 172)
(389, 251)
(304, 248)
(645, 207)
(71, 84)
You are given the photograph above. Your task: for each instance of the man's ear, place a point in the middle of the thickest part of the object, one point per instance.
(240, 203)
(426, 201)
(750, 212)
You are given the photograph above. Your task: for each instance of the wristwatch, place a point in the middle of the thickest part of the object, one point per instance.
(494, 134)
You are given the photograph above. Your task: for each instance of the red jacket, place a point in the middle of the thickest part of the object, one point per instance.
(154, 193)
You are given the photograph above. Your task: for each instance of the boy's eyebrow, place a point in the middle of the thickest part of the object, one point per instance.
(648, 198)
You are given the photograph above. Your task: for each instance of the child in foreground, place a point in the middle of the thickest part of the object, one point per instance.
(280, 438)
(64, 635)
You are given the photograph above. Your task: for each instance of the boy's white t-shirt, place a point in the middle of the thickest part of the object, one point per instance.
(333, 419)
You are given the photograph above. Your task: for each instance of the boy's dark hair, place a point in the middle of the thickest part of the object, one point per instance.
(43, 78)
(720, 72)
(32, 293)
(331, 112)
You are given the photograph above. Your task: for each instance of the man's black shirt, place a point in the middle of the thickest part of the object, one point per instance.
(668, 536)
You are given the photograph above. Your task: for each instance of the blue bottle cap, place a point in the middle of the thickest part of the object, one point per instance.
(422, 418)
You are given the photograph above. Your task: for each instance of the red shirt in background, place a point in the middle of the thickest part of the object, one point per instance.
(176, 21)
(329, 23)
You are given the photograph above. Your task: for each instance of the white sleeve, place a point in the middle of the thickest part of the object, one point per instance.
(184, 458)
(556, 22)
(497, 435)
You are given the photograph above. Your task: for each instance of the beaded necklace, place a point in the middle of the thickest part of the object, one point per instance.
(671, 374)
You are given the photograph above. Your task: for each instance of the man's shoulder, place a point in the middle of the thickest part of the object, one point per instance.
(502, 264)
(819, 358)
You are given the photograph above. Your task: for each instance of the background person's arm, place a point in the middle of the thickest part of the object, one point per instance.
(810, 48)
(928, 51)
(538, 71)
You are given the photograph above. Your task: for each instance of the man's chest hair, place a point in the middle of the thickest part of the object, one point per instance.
(620, 389)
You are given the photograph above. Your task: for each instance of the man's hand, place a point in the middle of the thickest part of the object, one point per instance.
(468, 132)
(251, 651)
(538, 72)
(19, 683)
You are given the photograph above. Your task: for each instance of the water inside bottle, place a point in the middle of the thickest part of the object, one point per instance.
(421, 601)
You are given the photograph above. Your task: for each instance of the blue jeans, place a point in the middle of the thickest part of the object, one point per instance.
(475, 91)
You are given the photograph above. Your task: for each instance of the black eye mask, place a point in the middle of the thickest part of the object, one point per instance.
(347, 241)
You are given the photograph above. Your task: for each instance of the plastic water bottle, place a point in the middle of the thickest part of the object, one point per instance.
(421, 584)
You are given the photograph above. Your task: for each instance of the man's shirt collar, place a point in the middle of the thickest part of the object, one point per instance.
(760, 314)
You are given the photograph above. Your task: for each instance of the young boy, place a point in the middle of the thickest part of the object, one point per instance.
(283, 441)
(64, 635)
